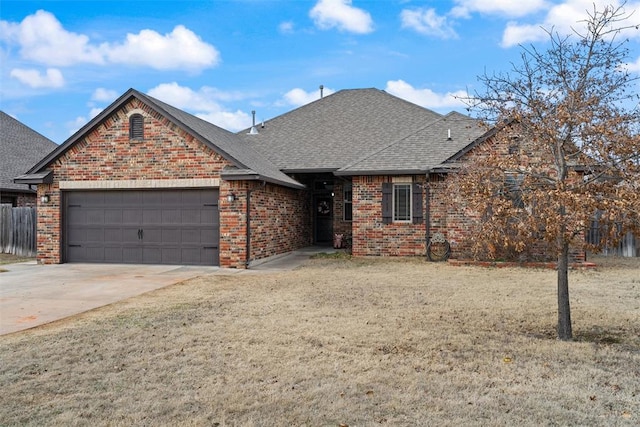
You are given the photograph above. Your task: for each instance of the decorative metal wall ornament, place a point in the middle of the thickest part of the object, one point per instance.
(438, 248)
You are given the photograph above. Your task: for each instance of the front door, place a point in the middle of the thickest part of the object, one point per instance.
(323, 213)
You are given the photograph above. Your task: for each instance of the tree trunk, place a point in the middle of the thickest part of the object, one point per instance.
(564, 310)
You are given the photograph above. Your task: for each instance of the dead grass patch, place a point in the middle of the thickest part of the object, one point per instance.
(361, 342)
(11, 259)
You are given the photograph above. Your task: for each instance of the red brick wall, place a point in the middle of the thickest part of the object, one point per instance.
(340, 226)
(279, 219)
(458, 223)
(370, 235)
(26, 200)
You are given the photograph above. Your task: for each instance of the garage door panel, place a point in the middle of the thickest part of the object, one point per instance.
(171, 235)
(113, 216)
(130, 235)
(113, 235)
(171, 216)
(113, 254)
(153, 255)
(151, 235)
(129, 198)
(137, 226)
(95, 234)
(150, 217)
(152, 198)
(131, 216)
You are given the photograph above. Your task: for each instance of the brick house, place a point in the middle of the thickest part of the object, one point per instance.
(20, 148)
(145, 182)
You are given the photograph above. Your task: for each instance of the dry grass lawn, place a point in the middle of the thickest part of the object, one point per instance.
(353, 342)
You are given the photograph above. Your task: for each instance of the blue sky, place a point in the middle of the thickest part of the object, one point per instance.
(62, 62)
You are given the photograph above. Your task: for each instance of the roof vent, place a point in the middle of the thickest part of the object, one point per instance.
(254, 130)
(449, 134)
(321, 91)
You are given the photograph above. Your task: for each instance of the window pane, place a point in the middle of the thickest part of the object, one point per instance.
(402, 202)
(348, 206)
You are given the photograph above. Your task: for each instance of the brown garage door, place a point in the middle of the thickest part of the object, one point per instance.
(142, 226)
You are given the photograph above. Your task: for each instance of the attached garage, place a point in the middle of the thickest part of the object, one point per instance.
(142, 226)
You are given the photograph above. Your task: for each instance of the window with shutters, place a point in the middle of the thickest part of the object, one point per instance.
(401, 203)
(136, 127)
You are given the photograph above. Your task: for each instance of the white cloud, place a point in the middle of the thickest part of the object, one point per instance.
(428, 22)
(181, 48)
(298, 97)
(33, 78)
(425, 97)
(563, 18)
(42, 38)
(634, 66)
(202, 103)
(74, 125)
(327, 14)
(511, 8)
(104, 95)
(94, 112)
(286, 27)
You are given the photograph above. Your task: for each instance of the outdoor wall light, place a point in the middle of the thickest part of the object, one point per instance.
(44, 199)
(231, 197)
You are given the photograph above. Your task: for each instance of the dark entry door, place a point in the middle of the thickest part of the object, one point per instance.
(142, 226)
(323, 219)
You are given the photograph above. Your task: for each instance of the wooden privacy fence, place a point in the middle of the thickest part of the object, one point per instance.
(628, 246)
(17, 230)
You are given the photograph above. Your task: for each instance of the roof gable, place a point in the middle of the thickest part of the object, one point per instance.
(334, 131)
(225, 143)
(20, 148)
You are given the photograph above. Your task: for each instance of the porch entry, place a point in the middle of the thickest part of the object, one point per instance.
(323, 213)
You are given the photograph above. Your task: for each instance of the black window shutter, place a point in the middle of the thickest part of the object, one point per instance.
(387, 209)
(416, 213)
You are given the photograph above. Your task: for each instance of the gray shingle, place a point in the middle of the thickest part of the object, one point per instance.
(338, 129)
(20, 148)
(423, 150)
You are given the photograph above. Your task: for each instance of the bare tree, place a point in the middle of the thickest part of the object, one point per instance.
(566, 147)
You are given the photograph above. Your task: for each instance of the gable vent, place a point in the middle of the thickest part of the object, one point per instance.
(136, 126)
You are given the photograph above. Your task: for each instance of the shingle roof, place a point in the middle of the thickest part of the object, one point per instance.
(226, 143)
(425, 149)
(337, 130)
(20, 148)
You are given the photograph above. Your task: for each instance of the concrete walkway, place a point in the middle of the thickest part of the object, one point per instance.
(33, 295)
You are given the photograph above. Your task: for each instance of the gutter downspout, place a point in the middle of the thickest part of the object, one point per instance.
(248, 230)
(427, 217)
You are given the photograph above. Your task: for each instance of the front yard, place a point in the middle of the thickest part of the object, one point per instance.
(353, 342)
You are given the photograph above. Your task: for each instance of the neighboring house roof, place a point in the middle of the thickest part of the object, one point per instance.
(20, 148)
(337, 130)
(425, 149)
(227, 144)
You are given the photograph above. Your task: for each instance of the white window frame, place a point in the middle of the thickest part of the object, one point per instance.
(395, 214)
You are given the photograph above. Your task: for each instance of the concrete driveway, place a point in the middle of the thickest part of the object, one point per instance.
(32, 294)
